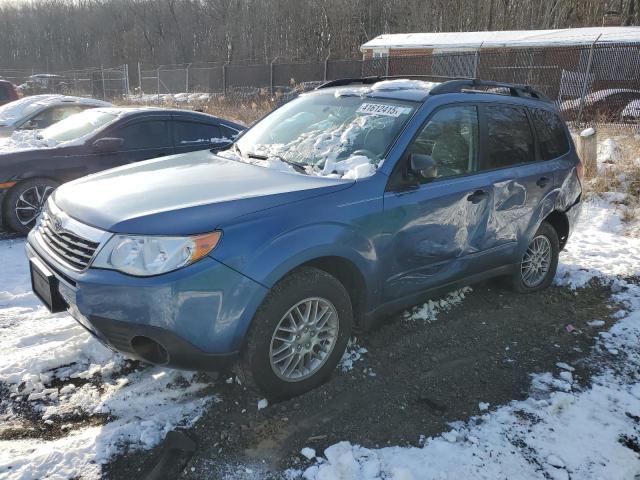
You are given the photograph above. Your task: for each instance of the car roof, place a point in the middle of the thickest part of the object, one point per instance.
(131, 111)
(408, 89)
(48, 100)
(398, 89)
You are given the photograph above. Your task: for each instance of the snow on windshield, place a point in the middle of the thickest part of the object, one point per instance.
(324, 135)
(17, 109)
(72, 130)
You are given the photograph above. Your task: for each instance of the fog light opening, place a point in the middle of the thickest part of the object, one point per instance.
(149, 350)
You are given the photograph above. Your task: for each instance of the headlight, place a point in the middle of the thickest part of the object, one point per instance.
(150, 255)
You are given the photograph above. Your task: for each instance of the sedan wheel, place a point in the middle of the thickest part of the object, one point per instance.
(30, 204)
(25, 201)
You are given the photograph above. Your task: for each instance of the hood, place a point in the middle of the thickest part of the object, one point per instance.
(183, 194)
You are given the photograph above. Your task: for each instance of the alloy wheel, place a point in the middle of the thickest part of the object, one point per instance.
(304, 339)
(536, 261)
(31, 202)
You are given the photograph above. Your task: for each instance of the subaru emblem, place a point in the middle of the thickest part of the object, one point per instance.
(57, 224)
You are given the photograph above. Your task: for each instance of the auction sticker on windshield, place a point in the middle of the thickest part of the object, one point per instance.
(382, 109)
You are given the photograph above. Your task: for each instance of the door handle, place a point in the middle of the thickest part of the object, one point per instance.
(478, 196)
(543, 182)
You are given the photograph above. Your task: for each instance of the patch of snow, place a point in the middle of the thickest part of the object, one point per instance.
(609, 153)
(587, 132)
(352, 354)
(429, 311)
(37, 347)
(308, 453)
(596, 323)
(598, 247)
(263, 403)
(483, 406)
(565, 366)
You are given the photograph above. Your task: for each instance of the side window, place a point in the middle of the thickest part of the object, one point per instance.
(145, 134)
(53, 115)
(190, 133)
(510, 140)
(229, 133)
(4, 92)
(552, 138)
(451, 138)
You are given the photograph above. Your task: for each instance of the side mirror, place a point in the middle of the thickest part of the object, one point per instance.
(107, 145)
(30, 125)
(424, 166)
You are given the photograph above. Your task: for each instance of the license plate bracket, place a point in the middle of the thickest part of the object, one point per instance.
(45, 285)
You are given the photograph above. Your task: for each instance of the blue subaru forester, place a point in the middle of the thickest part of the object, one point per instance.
(350, 202)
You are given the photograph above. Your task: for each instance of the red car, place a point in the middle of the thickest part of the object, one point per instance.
(8, 92)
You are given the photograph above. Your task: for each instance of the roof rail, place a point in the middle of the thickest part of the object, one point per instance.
(448, 85)
(468, 84)
(341, 82)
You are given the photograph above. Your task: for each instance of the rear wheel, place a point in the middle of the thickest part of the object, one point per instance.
(298, 335)
(25, 201)
(539, 262)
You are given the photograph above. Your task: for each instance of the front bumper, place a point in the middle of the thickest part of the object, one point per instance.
(197, 315)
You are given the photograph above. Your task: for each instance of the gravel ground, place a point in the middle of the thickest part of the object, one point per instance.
(415, 377)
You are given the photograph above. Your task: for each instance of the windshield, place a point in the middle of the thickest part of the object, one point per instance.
(78, 125)
(322, 134)
(17, 109)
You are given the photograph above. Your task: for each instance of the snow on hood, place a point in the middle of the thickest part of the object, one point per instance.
(27, 140)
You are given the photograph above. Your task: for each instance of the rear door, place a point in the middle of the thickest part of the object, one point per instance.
(520, 181)
(435, 226)
(191, 135)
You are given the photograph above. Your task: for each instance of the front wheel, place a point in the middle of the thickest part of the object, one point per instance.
(25, 201)
(298, 335)
(539, 262)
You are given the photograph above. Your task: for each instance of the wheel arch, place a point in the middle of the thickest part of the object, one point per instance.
(560, 223)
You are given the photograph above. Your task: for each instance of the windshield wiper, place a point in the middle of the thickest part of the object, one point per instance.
(299, 167)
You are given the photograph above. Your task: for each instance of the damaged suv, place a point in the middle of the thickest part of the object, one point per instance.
(355, 200)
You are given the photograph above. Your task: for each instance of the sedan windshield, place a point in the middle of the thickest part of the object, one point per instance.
(323, 134)
(17, 109)
(78, 125)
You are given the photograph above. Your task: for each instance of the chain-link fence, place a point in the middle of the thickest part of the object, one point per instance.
(599, 83)
(104, 83)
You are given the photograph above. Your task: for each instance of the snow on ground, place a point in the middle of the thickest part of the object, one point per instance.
(52, 366)
(561, 431)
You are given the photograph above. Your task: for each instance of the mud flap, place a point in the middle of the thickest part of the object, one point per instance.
(176, 451)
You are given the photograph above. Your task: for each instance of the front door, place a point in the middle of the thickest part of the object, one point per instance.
(434, 225)
(142, 140)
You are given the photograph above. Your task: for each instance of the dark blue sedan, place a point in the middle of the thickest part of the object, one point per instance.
(33, 164)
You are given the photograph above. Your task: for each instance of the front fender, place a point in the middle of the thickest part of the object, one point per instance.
(272, 260)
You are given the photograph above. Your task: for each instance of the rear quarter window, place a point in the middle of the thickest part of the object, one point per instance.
(4, 91)
(552, 138)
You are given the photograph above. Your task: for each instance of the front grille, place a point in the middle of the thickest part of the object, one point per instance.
(71, 248)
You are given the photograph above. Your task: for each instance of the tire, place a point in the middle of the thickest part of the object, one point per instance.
(17, 214)
(301, 288)
(544, 240)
